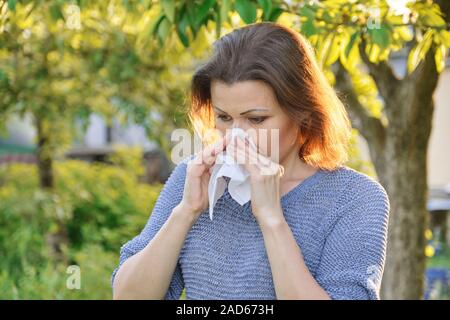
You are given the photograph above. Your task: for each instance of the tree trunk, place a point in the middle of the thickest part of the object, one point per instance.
(404, 176)
(44, 156)
(399, 153)
(59, 238)
(405, 263)
(405, 180)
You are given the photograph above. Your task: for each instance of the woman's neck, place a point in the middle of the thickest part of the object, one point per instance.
(295, 170)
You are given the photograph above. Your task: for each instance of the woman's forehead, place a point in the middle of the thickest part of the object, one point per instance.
(242, 96)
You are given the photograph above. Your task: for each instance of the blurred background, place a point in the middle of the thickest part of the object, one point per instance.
(90, 92)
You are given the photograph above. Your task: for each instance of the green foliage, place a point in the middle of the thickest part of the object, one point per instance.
(382, 28)
(168, 7)
(48, 280)
(97, 206)
(247, 10)
(61, 62)
(418, 53)
(114, 56)
(187, 17)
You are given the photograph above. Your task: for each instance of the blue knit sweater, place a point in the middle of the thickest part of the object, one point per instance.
(339, 219)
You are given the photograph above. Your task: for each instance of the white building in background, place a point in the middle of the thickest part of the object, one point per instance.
(439, 147)
(22, 132)
(96, 144)
(131, 135)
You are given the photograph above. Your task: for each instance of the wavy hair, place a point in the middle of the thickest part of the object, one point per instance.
(285, 60)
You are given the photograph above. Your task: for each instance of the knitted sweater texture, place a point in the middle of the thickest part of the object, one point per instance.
(339, 219)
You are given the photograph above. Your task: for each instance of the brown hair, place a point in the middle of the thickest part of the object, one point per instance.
(283, 59)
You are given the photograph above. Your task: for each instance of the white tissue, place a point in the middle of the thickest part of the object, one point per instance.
(239, 184)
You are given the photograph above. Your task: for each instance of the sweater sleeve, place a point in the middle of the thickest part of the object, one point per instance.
(353, 257)
(169, 197)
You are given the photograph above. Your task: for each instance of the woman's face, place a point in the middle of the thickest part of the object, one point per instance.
(252, 105)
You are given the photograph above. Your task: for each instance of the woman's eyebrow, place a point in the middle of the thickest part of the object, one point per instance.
(242, 113)
(251, 110)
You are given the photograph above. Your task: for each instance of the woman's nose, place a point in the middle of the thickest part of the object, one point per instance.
(240, 124)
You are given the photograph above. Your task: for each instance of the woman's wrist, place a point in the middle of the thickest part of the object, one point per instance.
(185, 214)
(270, 217)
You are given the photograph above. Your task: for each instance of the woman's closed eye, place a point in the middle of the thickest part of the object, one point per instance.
(224, 117)
(256, 120)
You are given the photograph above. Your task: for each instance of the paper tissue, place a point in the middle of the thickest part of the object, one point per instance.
(239, 184)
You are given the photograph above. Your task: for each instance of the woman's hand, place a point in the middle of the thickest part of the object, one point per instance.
(195, 194)
(265, 182)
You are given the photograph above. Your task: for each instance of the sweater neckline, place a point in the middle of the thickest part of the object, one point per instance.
(304, 184)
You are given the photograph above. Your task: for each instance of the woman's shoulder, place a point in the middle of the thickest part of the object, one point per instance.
(363, 181)
(357, 188)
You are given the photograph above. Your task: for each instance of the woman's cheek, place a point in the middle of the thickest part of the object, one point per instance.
(286, 142)
(267, 145)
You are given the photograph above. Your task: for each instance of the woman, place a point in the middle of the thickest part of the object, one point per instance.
(318, 231)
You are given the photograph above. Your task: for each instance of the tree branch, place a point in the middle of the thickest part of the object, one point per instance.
(422, 82)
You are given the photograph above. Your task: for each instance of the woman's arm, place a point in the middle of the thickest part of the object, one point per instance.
(147, 274)
(149, 261)
(352, 260)
(353, 256)
(291, 277)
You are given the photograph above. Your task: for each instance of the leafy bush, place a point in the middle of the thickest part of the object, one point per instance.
(92, 211)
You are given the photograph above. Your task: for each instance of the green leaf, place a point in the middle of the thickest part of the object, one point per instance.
(154, 28)
(349, 54)
(247, 10)
(352, 41)
(183, 38)
(218, 24)
(308, 28)
(225, 8)
(168, 7)
(183, 23)
(328, 49)
(197, 14)
(12, 5)
(202, 11)
(420, 50)
(332, 52)
(266, 6)
(164, 29)
(440, 56)
(373, 52)
(444, 36)
(403, 33)
(276, 13)
(191, 18)
(380, 36)
(308, 12)
(55, 12)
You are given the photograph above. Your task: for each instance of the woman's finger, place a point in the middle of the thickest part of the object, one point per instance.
(245, 156)
(211, 151)
(253, 152)
(265, 165)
